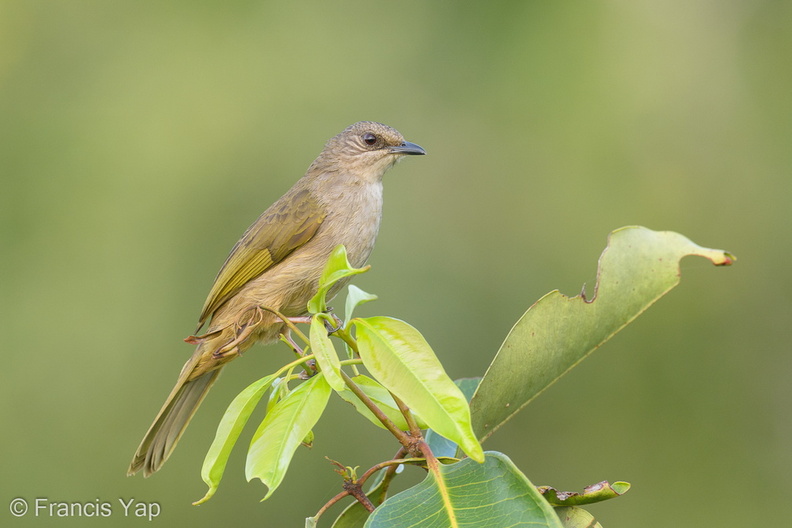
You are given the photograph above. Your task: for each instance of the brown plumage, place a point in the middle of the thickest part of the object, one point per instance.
(277, 264)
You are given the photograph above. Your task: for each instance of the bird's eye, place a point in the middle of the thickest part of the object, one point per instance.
(369, 138)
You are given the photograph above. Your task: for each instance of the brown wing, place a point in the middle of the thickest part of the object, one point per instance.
(286, 225)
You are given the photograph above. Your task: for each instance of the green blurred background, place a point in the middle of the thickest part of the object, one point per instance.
(139, 139)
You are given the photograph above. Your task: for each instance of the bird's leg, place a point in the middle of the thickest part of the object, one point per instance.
(287, 338)
(242, 332)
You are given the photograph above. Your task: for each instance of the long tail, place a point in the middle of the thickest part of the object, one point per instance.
(170, 423)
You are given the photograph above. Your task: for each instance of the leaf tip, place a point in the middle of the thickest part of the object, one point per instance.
(727, 260)
(621, 487)
(206, 497)
(476, 453)
(718, 257)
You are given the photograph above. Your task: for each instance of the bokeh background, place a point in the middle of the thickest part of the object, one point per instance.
(139, 139)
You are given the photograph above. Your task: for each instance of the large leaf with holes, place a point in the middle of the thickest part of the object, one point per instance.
(637, 268)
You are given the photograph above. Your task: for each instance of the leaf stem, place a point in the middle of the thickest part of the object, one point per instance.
(346, 337)
(356, 361)
(293, 364)
(415, 431)
(404, 439)
(344, 334)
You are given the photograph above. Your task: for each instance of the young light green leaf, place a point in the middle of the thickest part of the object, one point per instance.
(355, 297)
(282, 431)
(278, 391)
(400, 358)
(638, 267)
(489, 495)
(440, 445)
(337, 268)
(325, 353)
(382, 399)
(231, 425)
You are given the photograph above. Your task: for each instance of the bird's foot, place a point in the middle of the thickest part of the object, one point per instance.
(335, 326)
(241, 333)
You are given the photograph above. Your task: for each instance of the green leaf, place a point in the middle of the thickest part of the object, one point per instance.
(595, 493)
(440, 445)
(336, 269)
(574, 517)
(400, 358)
(282, 431)
(279, 390)
(494, 494)
(356, 297)
(325, 353)
(381, 398)
(231, 425)
(638, 267)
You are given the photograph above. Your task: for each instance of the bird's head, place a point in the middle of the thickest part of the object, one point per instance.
(367, 149)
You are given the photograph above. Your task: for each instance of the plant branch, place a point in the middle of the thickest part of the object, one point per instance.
(387, 464)
(330, 503)
(392, 465)
(289, 323)
(354, 488)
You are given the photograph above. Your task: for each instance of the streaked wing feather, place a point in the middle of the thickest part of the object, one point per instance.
(287, 225)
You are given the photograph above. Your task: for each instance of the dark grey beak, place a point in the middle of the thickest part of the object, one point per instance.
(407, 148)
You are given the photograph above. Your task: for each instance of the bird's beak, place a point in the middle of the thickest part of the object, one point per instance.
(407, 148)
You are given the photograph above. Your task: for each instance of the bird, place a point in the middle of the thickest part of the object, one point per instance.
(276, 265)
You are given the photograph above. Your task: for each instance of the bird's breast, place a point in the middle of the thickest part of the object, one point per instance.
(353, 220)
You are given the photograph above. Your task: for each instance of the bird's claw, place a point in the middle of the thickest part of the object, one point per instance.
(242, 332)
(333, 328)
